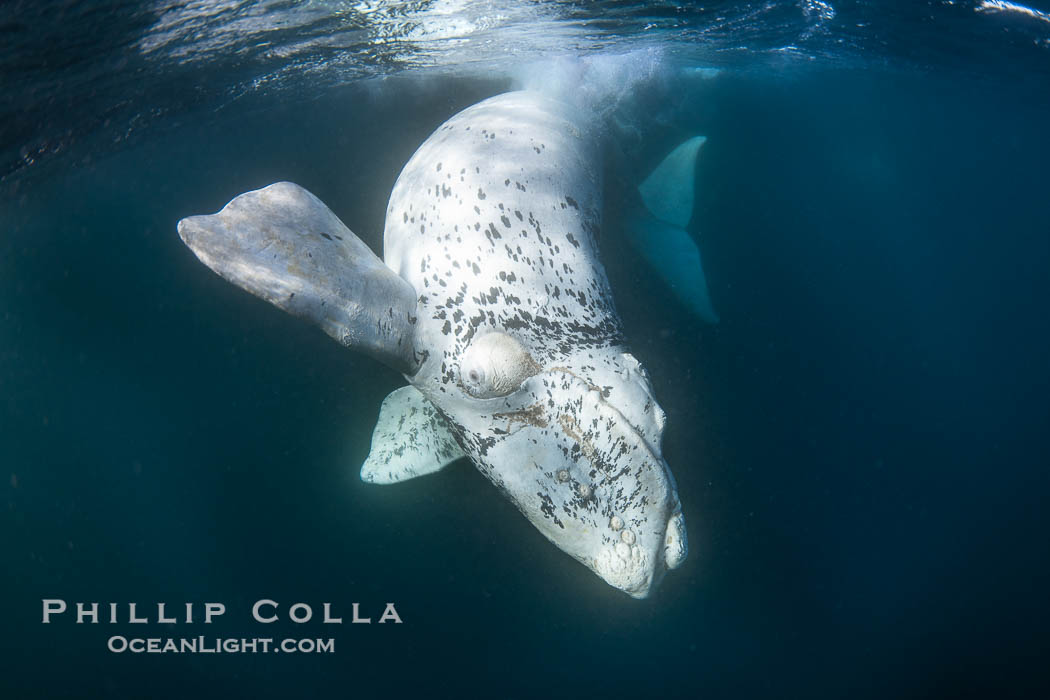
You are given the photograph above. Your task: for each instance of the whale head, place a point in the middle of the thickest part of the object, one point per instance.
(574, 443)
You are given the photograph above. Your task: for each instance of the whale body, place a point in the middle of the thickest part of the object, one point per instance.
(493, 304)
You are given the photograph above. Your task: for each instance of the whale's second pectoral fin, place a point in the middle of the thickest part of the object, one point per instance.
(660, 235)
(410, 439)
(668, 191)
(284, 245)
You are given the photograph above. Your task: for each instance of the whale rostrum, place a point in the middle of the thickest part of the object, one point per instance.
(493, 304)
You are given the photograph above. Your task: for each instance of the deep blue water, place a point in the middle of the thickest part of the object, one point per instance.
(860, 445)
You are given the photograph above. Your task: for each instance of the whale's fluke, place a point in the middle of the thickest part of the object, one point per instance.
(668, 191)
(284, 245)
(673, 253)
(659, 234)
(410, 439)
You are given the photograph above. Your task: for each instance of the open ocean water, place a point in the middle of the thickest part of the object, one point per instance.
(860, 445)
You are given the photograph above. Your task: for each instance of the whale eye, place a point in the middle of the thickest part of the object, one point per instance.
(474, 381)
(494, 365)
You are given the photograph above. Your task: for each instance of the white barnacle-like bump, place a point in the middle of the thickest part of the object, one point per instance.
(627, 536)
(494, 365)
(563, 475)
(584, 490)
(675, 545)
(616, 523)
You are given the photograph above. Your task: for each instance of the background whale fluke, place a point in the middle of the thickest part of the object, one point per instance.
(659, 235)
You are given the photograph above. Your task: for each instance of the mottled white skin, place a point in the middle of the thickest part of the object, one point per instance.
(410, 439)
(491, 229)
(494, 223)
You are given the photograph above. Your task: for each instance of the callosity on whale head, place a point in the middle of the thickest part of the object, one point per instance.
(494, 305)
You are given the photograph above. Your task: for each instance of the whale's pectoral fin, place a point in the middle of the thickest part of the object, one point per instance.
(284, 245)
(410, 439)
(660, 235)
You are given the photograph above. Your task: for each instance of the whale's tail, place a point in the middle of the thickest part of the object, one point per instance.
(284, 245)
(659, 234)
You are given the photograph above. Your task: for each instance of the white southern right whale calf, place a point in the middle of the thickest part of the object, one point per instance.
(493, 304)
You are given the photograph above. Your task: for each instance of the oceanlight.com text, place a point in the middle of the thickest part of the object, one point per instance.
(218, 645)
